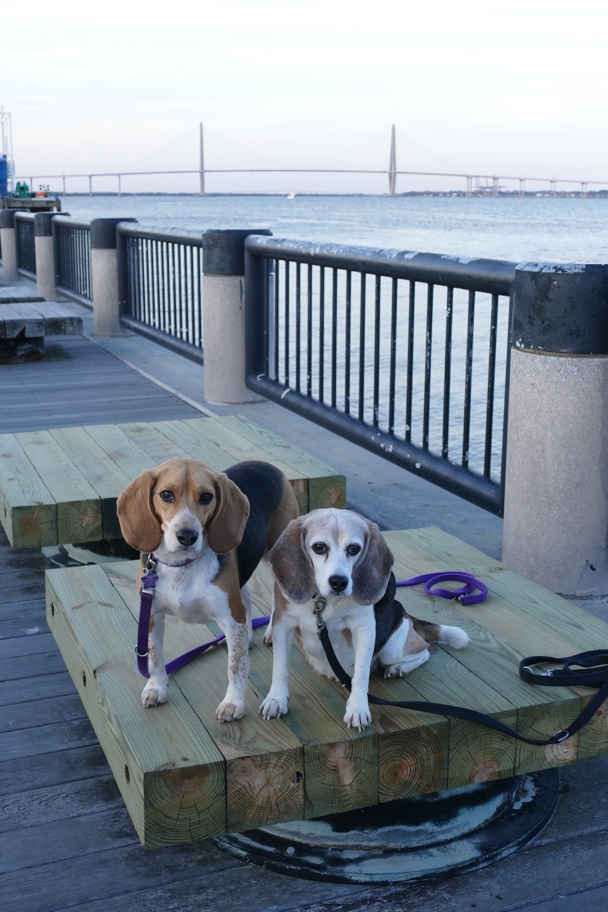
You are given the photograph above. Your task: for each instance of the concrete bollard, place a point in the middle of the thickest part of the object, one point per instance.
(104, 276)
(9, 245)
(45, 258)
(224, 315)
(556, 484)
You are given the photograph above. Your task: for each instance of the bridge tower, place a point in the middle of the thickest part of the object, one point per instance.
(201, 163)
(392, 165)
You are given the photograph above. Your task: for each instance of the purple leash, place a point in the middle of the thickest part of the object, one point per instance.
(464, 595)
(148, 587)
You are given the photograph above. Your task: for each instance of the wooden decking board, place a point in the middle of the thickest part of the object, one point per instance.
(73, 475)
(308, 764)
(152, 755)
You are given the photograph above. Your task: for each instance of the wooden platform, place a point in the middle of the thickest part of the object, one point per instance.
(184, 777)
(60, 486)
(36, 319)
(17, 294)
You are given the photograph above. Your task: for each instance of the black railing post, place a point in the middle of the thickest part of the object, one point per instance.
(224, 314)
(556, 477)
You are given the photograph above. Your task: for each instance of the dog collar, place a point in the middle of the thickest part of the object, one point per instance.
(157, 560)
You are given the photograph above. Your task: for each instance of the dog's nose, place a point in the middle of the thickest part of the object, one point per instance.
(187, 537)
(338, 583)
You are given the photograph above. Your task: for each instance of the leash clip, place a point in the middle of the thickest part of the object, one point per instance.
(320, 604)
(151, 564)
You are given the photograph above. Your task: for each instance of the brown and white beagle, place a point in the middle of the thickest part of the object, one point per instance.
(208, 531)
(343, 558)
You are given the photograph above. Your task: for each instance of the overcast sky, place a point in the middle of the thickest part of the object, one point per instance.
(514, 87)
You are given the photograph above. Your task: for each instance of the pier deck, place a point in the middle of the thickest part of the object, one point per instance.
(66, 839)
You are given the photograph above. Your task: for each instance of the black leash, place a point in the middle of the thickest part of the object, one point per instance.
(591, 670)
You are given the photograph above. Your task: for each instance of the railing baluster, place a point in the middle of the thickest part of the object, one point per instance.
(466, 423)
(286, 323)
(427, 367)
(348, 315)
(393, 357)
(410, 363)
(321, 332)
(487, 461)
(361, 412)
(334, 335)
(298, 325)
(447, 373)
(309, 335)
(378, 316)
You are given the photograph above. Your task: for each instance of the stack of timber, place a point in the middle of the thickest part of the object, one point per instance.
(36, 319)
(60, 486)
(17, 294)
(183, 776)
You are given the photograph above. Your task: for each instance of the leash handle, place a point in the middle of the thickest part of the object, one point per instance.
(463, 595)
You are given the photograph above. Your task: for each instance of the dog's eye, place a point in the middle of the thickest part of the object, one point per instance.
(167, 496)
(353, 549)
(319, 547)
(205, 498)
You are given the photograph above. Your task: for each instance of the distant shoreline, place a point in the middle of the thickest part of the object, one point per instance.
(460, 194)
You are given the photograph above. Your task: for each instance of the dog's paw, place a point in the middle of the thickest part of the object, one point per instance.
(406, 665)
(152, 695)
(268, 637)
(228, 711)
(273, 707)
(357, 717)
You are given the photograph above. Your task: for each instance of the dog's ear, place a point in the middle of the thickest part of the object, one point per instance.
(291, 565)
(225, 529)
(371, 574)
(138, 522)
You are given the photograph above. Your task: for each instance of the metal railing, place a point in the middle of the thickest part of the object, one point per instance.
(405, 354)
(25, 244)
(160, 286)
(72, 244)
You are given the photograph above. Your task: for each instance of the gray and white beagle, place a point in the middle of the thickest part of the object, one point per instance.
(207, 531)
(343, 558)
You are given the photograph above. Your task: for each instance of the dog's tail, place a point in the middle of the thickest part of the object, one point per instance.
(439, 633)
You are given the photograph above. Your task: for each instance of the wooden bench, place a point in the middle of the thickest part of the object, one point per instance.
(15, 294)
(24, 326)
(60, 486)
(184, 777)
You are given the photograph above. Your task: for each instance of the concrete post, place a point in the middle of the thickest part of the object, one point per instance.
(9, 245)
(104, 277)
(224, 315)
(45, 258)
(556, 484)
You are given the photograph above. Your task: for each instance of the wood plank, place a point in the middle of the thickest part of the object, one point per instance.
(240, 449)
(157, 447)
(58, 319)
(27, 509)
(326, 488)
(168, 769)
(128, 456)
(78, 505)
(17, 319)
(509, 618)
(12, 294)
(101, 472)
(264, 763)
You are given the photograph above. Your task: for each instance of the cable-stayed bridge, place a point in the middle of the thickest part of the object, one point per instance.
(475, 183)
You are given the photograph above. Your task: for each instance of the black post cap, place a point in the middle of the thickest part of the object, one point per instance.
(561, 308)
(224, 250)
(7, 218)
(43, 224)
(103, 232)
